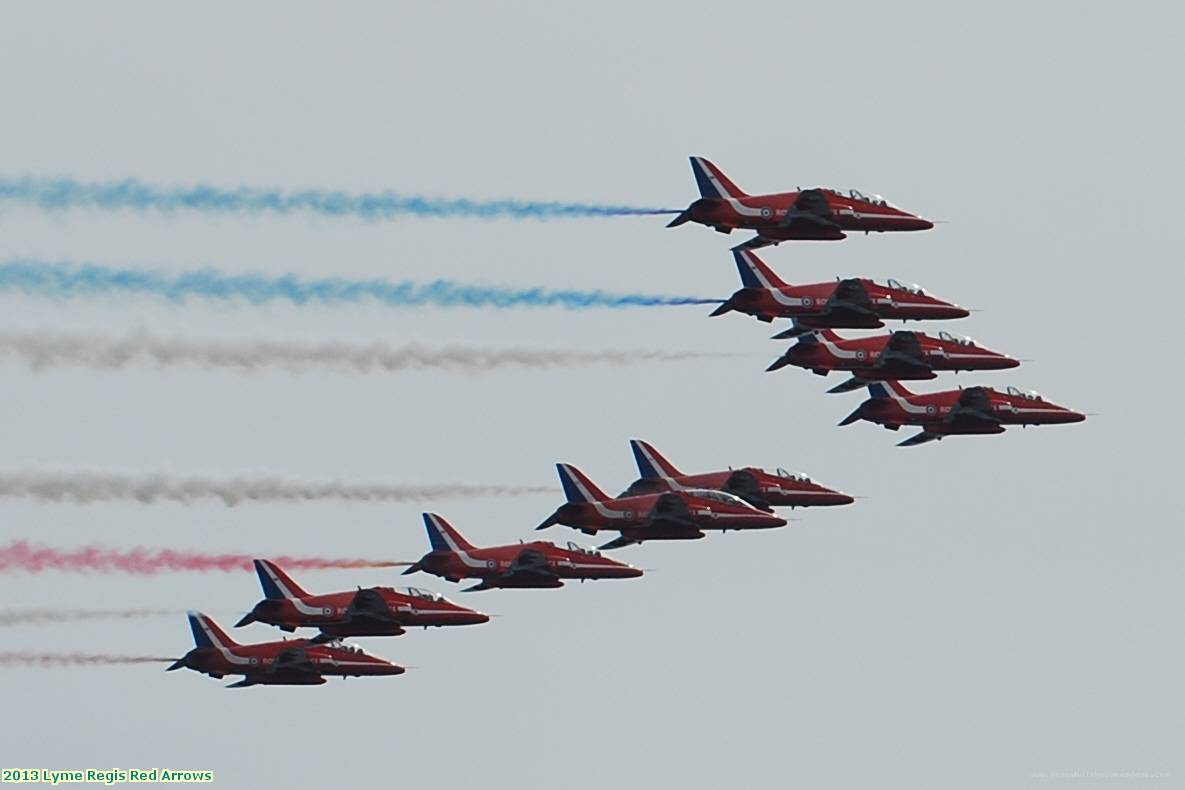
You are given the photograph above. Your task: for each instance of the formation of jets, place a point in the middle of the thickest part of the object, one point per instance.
(878, 362)
(665, 504)
(662, 504)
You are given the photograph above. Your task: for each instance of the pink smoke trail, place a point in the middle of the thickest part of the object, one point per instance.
(20, 556)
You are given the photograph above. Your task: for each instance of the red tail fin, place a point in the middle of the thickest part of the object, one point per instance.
(443, 536)
(754, 271)
(577, 487)
(711, 180)
(276, 584)
(650, 462)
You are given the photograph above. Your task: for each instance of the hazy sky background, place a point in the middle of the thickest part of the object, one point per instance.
(992, 608)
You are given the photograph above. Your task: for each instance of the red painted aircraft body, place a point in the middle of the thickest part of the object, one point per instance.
(904, 355)
(535, 564)
(374, 611)
(975, 410)
(294, 662)
(671, 515)
(855, 303)
(756, 486)
(812, 214)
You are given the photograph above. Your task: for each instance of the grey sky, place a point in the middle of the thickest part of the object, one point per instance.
(993, 608)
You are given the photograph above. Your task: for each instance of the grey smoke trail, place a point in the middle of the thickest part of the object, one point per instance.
(10, 617)
(88, 487)
(43, 351)
(20, 658)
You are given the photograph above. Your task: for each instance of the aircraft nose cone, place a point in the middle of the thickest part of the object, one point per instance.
(840, 498)
(775, 521)
(475, 618)
(958, 312)
(630, 572)
(924, 224)
(1074, 416)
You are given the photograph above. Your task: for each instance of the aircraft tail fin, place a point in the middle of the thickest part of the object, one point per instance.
(711, 180)
(888, 389)
(443, 536)
(755, 273)
(828, 335)
(650, 462)
(206, 632)
(577, 486)
(277, 585)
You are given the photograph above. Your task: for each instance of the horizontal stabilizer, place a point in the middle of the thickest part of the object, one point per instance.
(789, 334)
(850, 385)
(855, 416)
(919, 438)
(618, 543)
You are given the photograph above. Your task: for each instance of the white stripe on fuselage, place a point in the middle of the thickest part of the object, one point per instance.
(906, 405)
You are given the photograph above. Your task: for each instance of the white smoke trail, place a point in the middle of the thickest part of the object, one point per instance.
(41, 351)
(10, 617)
(88, 487)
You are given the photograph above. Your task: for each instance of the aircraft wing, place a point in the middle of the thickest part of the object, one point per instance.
(974, 406)
(756, 243)
(368, 606)
(671, 511)
(850, 297)
(919, 438)
(530, 564)
(903, 350)
(292, 661)
(744, 484)
(617, 543)
(810, 209)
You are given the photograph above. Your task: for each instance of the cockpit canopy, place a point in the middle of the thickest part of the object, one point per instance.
(585, 550)
(1029, 395)
(875, 200)
(417, 592)
(722, 497)
(346, 647)
(897, 285)
(962, 341)
(796, 476)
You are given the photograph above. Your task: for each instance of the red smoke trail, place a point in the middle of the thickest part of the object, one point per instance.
(16, 658)
(20, 556)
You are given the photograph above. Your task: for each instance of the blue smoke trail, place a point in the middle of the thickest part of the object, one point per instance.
(63, 193)
(70, 280)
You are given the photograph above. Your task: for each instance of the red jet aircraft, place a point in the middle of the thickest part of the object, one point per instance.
(756, 486)
(297, 662)
(855, 303)
(674, 515)
(535, 564)
(375, 611)
(901, 355)
(973, 410)
(806, 214)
